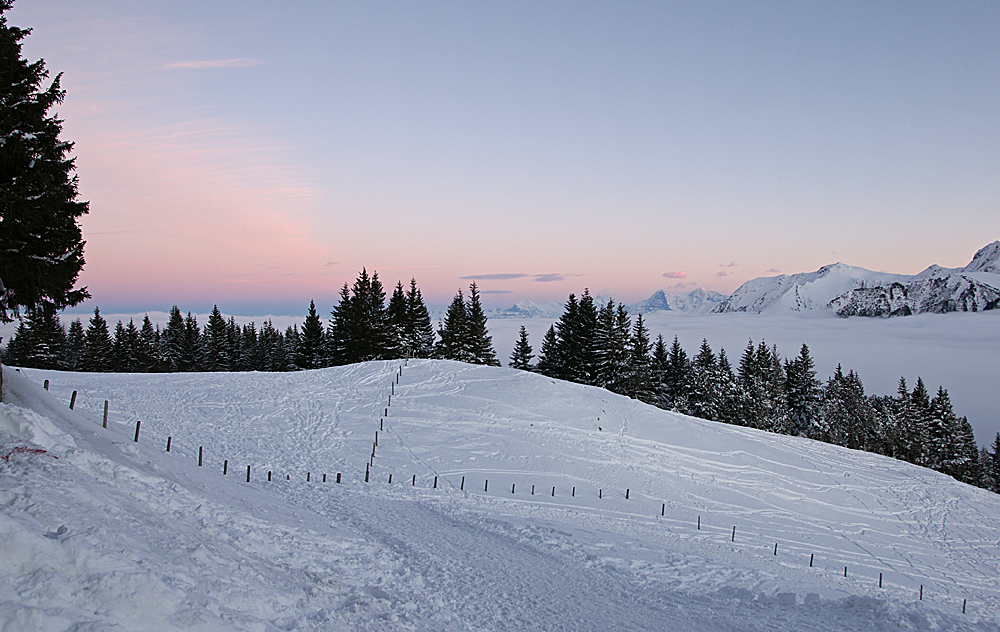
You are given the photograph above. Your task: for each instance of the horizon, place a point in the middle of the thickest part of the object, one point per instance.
(540, 149)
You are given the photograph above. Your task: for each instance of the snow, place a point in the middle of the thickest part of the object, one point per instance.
(114, 534)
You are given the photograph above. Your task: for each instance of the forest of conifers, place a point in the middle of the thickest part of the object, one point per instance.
(589, 344)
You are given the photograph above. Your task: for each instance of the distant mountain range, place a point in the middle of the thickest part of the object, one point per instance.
(851, 291)
(700, 301)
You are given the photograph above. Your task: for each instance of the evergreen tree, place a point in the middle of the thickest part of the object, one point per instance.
(847, 416)
(703, 400)
(992, 465)
(677, 379)
(192, 357)
(480, 343)
(48, 339)
(75, 342)
(271, 344)
(97, 346)
(173, 339)
(419, 333)
(729, 391)
(454, 332)
(575, 357)
(148, 350)
(661, 362)
(611, 345)
(639, 371)
(398, 317)
(216, 343)
(290, 348)
(520, 357)
(40, 238)
(311, 348)
(125, 348)
(804, 393)
(359, 328)
(549, 350)
(18, 345)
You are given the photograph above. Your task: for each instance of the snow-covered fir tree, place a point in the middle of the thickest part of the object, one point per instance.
(520, 357)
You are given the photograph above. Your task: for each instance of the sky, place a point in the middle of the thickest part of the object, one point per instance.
(258, 155)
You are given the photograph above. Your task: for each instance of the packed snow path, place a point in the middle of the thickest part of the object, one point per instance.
(414, 557)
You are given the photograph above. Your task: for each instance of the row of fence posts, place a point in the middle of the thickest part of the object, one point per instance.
(413, 481)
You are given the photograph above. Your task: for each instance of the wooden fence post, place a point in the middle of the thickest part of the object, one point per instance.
(734, 534)
(921, 592)
(338, 477)
(72, 401)
(574, 491)
(366, 473)
(775, 548)
(512, 487)
(486, 486)
(811, 560)
(390, 478)
(199, 455)
(168, 444)
(435, 482)
(225, 467)
(248, 473)
(663, 509)
(880, 580)
(553, 492)
(626, 493)
(46, 385)
(307, 477)
(136, 439)
(413, 483)
(269, 476)
(105, 413)
(462, 487)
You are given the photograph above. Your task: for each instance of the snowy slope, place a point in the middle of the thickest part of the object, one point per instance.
(114, 532)
(850, 291)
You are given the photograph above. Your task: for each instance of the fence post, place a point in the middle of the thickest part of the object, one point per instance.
(435, 482)
(880, 580)
(225, 467)
(390, 479)
(338, 477)
(532, 490)
(46, 385)
(413, 483)
(376, 439)
(626, 493)
(512, 487)
(168, 444)
(734, 533)
(663, 509)
(105, 413)
(553, 492)
(775, 548)
(136, 439)
(574, 491)
(963, 606)
(811, 559)
(269, 476)
(366, 473)
(200, 448)
(699, 523)
(72, 401)
(462, 487)
(600, 493)
(845, 571)
(248, 473)
(307, 477)
(921, 592)
(486, 486)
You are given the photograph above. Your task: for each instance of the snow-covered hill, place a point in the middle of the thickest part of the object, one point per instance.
(850, 291)
(556, 507)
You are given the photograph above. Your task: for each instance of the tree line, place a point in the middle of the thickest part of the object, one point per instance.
(603, 346)
(361, 327)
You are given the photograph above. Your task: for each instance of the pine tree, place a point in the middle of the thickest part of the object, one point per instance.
(41, 241)
(18, 345)
(804, 393)
(97, 348)
(290, 348)
(480, 343)
(703, 400)
(359, 328)
(419, 334)
(125, 348)
(611, 345)
(192, 356)
(550, 343)
(677, 379)
(575, 357)
(48, 339)
(639, 371)
(453, 332)
(173, 339)
(661, 362)
(75, 341)
(398, 317)
(311, 348)
(216, 342)
(149, 356)
(992, 465)
(520, 357)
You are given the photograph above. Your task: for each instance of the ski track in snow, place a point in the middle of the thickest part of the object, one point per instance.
(191, 549)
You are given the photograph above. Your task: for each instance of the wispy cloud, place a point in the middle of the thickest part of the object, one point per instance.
(676, 275)
(495, 291)
(549, 278)
(493, 277)
(238, 62)
(773, 270)
(721, 273)
(732, 264)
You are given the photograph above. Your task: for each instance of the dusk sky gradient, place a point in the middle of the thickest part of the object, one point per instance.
(258, 155)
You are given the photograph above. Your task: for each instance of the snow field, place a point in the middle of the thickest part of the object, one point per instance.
(434, 558)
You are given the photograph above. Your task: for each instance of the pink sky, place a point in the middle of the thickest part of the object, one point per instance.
(260, 161)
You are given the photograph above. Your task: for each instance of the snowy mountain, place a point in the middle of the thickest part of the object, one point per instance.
(698, 301)
(495, 500)
(850, 291)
